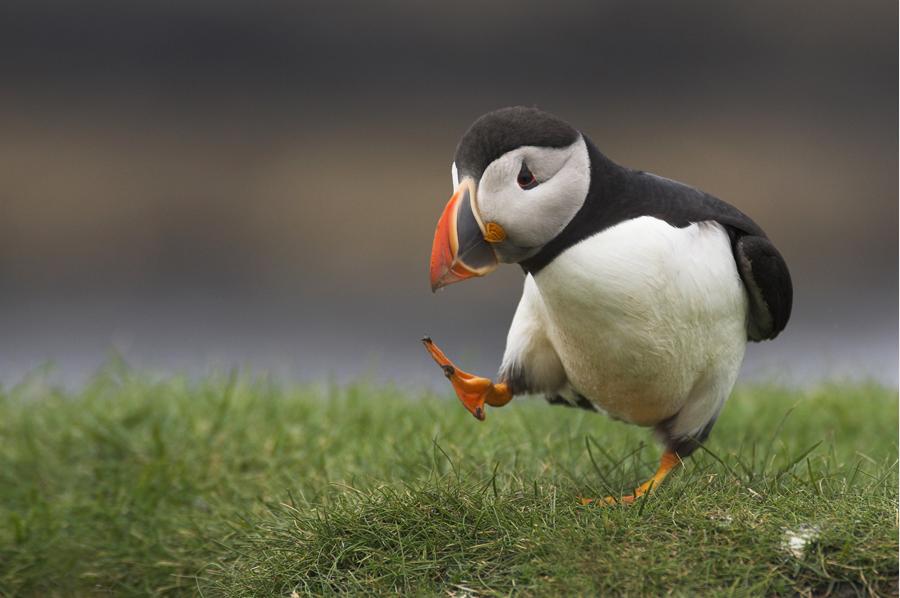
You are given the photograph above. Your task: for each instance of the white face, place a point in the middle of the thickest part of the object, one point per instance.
(533, 217)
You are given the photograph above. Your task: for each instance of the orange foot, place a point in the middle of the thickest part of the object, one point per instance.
(473, 391)
(667, 463)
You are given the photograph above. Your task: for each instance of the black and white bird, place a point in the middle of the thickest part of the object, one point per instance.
(640, 292)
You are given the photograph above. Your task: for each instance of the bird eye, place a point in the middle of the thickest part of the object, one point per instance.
(526, 179)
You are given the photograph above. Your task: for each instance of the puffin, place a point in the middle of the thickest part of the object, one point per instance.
(640, 292)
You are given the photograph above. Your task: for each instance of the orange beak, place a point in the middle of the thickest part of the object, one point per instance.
(460, 250)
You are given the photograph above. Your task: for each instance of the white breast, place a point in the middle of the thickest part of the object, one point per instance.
(649, 320)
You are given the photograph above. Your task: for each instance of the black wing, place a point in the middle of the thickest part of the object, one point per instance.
(768, 282)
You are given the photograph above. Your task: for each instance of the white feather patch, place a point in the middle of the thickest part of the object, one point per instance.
(454, 175)
(532, 217)
(649, 320)
(528, 349)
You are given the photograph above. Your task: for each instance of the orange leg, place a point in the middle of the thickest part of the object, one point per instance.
(473, 391)
(667, 463)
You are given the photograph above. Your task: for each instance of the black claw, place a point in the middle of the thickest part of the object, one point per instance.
(426, 339)
(449, 370)
(479, 413)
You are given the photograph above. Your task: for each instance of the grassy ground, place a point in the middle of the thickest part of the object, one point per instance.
(238, 487)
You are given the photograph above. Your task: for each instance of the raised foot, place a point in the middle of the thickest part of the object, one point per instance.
(473, 391)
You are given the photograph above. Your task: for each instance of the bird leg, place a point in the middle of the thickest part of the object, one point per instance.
(473, 391)
(667, 463)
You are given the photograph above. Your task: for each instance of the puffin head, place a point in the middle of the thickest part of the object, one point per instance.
(520, 176)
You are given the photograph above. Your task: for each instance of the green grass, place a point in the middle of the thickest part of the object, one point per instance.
(236, 486)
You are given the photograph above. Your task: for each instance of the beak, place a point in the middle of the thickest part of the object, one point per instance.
(460, 250)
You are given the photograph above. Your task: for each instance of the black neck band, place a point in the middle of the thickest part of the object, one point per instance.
(607, 179)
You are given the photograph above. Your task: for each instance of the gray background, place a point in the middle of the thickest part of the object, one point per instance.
(197, 185)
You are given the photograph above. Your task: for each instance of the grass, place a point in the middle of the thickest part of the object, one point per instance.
(238, 487)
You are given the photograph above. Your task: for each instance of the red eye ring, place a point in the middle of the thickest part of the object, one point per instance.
(526, 179)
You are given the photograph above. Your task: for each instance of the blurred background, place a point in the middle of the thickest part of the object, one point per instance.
(196, 185)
